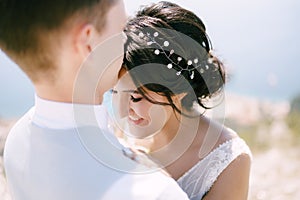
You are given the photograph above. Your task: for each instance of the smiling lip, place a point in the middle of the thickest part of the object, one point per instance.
(135, 121)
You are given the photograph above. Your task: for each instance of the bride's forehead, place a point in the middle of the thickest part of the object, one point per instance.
(125, 80)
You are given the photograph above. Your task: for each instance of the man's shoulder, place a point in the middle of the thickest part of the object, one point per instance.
(13, 148)
(19, 129)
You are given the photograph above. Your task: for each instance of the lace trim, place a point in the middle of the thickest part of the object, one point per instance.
(200, 178)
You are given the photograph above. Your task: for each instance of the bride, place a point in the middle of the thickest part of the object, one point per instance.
(169, 77)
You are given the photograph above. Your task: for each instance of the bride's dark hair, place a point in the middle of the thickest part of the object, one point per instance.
(169, 52)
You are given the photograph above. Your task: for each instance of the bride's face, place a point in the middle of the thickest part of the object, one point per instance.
(143, 118)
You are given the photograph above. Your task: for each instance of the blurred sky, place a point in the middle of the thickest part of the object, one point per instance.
(258, 41)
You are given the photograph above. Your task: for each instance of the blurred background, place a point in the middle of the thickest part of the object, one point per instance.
(257, 41)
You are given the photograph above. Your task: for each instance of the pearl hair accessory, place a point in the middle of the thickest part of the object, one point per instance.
(191, 64)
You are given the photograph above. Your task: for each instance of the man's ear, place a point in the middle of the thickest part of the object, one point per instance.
(84, 39)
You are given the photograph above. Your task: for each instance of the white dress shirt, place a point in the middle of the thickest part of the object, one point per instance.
(57, 151)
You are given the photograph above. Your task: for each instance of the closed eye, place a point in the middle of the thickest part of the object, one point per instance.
(135, 99)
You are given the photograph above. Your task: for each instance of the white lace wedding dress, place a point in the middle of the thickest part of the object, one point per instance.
(199, 179)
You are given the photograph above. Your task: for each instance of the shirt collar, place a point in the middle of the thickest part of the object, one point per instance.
(59, 115)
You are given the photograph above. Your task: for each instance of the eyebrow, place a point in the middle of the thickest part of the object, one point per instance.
(131, 91)
(128, 91)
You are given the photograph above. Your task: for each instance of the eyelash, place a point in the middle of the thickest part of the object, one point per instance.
(134, 100)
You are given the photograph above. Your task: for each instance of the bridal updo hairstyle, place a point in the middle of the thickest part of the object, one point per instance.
(169, 52)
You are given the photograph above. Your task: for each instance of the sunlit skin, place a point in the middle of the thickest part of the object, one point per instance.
(167, 144)
(145, 119)
(136, 110)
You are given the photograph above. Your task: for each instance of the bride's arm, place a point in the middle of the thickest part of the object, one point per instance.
(233, 182)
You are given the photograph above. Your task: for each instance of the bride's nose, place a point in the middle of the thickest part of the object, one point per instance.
(131, 112)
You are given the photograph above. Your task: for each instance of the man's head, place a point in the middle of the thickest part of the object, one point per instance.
(50, 39)
(31, 31)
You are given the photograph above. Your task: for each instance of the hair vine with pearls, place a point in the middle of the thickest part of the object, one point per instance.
(190, 65)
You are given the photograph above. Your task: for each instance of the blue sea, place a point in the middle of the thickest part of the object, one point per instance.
(257, 40)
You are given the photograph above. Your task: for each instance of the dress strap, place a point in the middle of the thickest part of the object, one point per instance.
(200, 178)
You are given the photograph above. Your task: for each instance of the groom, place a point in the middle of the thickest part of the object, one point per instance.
(57, 150)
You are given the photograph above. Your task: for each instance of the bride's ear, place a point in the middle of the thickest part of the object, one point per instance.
(178, 97)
